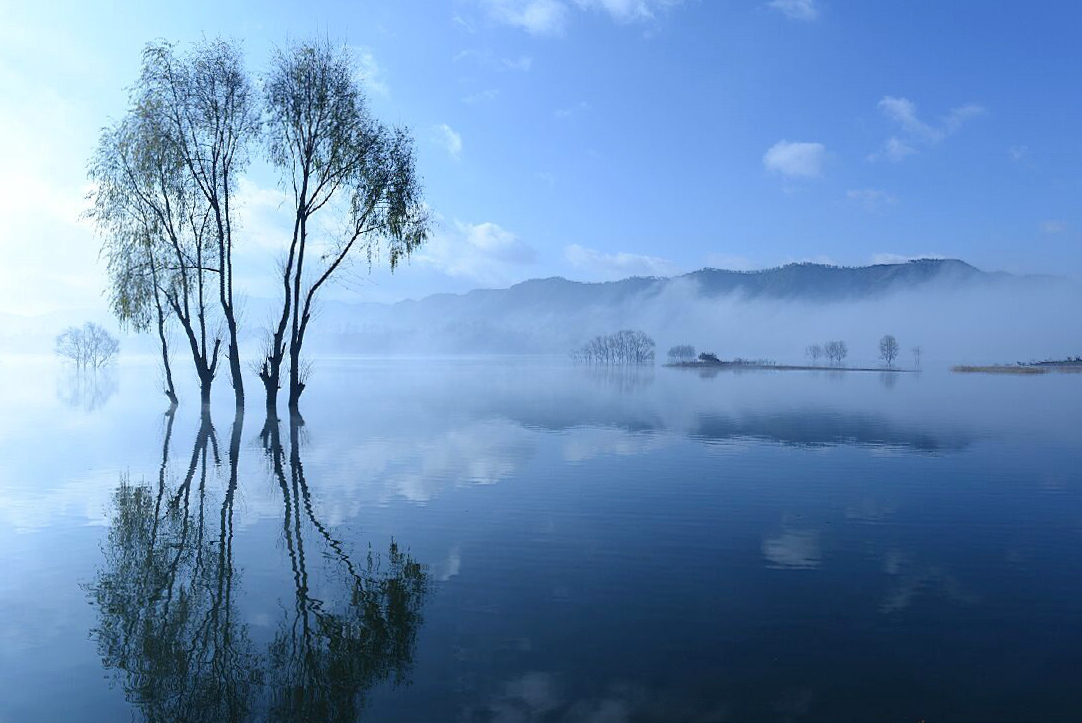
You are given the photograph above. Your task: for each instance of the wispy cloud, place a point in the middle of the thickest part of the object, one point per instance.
(1054, 226)
(449, 139)
(795, 160)
(796, 9)
(620, 265)
(564, 113)
(915, 131)
(482, 95)
(488, 59)
(871, 199)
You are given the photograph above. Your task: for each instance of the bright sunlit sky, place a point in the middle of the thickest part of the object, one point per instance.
(597, 139)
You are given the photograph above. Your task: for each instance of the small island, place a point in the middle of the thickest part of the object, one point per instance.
(1067, 365)
(683, 357)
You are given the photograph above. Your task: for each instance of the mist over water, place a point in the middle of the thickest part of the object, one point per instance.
(615, 544)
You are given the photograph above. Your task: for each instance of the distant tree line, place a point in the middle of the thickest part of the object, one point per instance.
(166, 179)
(623, 347)
(87, 347)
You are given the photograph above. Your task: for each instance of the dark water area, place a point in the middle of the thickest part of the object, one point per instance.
(524, 540)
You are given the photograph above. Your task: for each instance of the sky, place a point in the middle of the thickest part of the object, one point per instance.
(599, 139)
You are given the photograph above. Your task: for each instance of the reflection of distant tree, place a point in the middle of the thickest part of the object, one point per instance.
(622, 378)
(86, 389)
(324, 660)
(167, 601)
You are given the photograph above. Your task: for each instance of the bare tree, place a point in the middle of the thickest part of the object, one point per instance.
(334, 155)
(888, 349)
(682, 353)
(89, 347)
(623, 347)
(917, 353)
(209, 116)
(813, 352)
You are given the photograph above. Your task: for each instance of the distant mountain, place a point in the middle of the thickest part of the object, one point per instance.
(550, 315)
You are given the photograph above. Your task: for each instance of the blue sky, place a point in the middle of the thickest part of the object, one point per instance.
(597, 139)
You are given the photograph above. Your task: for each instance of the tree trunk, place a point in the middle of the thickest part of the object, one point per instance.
(234, 360)
(296, 386)
(205, 381)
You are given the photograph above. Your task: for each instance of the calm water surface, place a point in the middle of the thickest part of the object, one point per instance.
(522, 540)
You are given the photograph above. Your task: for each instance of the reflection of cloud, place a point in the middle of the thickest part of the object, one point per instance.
(914, 580)
(450, 567)
(592, 443)
(542, 696)
(793, 550)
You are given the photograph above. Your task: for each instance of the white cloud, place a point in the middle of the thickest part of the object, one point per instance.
(619, 265)
(871, 198)
(1053, 226)
(549, 17)
(483, 252)
(449, 139)
(369, 73)
(796, 9)
(537, 17)
(1017, 153)
(917, 132)
(796, 160)
(628, 11)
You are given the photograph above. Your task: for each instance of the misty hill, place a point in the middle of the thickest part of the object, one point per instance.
(554, 314)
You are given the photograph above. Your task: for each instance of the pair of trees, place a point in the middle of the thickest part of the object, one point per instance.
(623, 347)
(834, 351)
(165, 196)
(88, 347)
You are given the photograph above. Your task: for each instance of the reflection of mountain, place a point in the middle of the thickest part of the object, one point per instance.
(170, 606)
(812, 428)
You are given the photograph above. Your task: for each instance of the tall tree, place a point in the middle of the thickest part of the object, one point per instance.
(133, 247)
(210, 117)
(335, 156)
(154, 222)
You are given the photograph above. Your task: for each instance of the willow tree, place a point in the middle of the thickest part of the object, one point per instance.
(336, 158)
(209, 117)
(153, 226)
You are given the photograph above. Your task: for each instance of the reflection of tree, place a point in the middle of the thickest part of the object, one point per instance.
(86, 389)
(323, 661)
(165, 596)
(168, 609)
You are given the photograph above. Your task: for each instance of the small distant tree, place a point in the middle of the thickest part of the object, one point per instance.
(888, 349)
(836, 351)
(89, 347)
(682, 353)
(917, 352)
(709, 357)
(814, 352)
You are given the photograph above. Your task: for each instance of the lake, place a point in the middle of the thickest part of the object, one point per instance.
(520, 539)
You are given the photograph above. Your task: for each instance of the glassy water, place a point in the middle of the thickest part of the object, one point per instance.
(524, 540)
